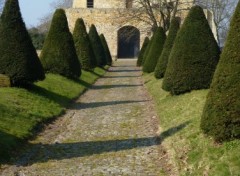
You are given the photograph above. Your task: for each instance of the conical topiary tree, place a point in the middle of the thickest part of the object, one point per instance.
(83, 46)
(147, 50)
(155, 50)
(221, 115)
(59, 54)
(142, 51)
(163, 59)
(97, 46)
(194, 55)
(106, 50)
(18, 57)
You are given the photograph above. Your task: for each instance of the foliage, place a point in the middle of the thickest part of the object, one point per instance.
(59, 53)
(155, 50)
(106, 50)
(194, 55)
(22, 111)
(157, 13)
(62, 4)
(190, 151)
(97, 46)
(163, 59)
(142, 51)
(83, 46)
(18, 56)
(220, 117)
(147, 50)
(37, 38)
(45, 21)
(222, 11)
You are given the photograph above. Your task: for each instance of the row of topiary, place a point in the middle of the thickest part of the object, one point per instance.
(189, 60)
(63, 53)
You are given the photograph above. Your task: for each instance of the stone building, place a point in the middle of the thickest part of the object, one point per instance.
(111, 18)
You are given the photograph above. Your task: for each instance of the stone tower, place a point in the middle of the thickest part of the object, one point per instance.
(107, 16)
(103, 4)
(111, 18)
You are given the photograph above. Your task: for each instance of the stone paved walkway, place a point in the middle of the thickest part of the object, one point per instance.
(110, 130)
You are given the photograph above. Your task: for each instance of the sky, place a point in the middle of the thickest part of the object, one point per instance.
(33, 10)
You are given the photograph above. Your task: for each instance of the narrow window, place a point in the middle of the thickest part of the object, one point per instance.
(129, 4)
(90, 3)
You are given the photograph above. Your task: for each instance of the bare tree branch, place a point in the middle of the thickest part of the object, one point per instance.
(45, 21)
(1, 5)
(62, 4)
(222, 12)
(160, 12)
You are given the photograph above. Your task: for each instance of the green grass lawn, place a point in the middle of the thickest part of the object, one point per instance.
(21, 110)
(190, 151)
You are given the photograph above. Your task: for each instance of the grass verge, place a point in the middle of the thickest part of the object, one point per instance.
(190, 151)
(22, 111)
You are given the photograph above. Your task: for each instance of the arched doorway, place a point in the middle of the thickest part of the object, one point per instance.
(128, 42)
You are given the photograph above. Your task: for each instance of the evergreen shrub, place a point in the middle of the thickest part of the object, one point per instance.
(142, 51)
(163, 59)
(97, 46)
(154, 51)
(83, 46)
(221, 114)
(106, 50)
(194, 55)
(59, 54)
(18, 57)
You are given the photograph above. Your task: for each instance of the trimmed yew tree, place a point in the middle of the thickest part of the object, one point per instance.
(59, 54)
(18, 57)
(97, 46)
(106, 50)
(221, 115)
(194, 55)
(163, 59)
(142, 51)
(147, 50)
(83, 46)
(155, 50)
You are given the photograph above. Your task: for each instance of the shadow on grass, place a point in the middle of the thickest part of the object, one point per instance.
(62, 100)
(114, 86)
(81, 82)
(101, 104)
(39, 153)
(106, 68)
(174, 130)
(98, 75)
(8, 144)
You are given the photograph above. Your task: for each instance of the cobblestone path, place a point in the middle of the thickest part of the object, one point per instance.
(110, 130)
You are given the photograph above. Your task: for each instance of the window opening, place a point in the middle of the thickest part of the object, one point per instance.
(90, 3)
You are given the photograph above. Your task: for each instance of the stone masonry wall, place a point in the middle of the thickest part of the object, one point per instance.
(114, 4)
(110, 15)
(108, 22)
(100, 4)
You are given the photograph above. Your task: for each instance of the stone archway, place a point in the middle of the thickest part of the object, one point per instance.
(128, 42)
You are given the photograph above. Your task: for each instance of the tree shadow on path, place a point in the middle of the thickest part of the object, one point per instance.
(40, 153)
(137, 70)
(102, 104)
(121, 77)
(128, 66)
(97, 87)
